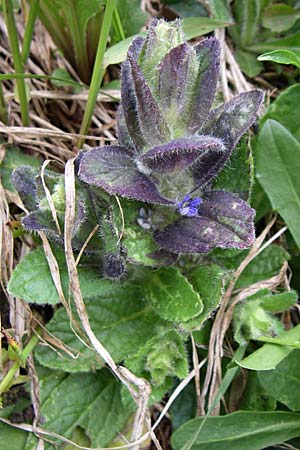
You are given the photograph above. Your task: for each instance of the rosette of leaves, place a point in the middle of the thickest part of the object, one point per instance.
(173, 143)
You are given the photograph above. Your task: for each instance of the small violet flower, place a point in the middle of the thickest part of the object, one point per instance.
(173, 142)
(189, 207)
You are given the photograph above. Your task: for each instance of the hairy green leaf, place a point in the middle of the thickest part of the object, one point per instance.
(172, 296)
(90, 401)
(15, 158)
(120, 319)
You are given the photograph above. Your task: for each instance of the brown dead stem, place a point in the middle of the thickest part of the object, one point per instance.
(221, 323)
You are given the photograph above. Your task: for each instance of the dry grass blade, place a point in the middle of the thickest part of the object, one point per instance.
(138, 387)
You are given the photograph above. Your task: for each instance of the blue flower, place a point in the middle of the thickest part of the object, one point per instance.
(189, 207)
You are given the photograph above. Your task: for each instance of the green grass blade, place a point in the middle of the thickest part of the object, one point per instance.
(118, 25)
(18, 65)
(98, 70)
(34, 6)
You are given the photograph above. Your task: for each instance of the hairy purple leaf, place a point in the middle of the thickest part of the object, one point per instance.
(135, 47)
(23, 179)
(228, 122)
(224, 221)
(113, 169)
(151, 121)
(205, 83)
(179, 154)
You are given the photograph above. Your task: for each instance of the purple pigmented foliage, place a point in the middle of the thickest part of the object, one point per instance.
(172, 142)
(113, 169)
(224, 220)
(23, 179)
(208, 56)
(180, 153)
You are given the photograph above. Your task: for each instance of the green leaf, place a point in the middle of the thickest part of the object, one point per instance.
(121, 320)
(138, 241)
(286, 110)
(278, 302)
(280, 17)
(208, 281)
(160, 360)
(220, 10)
(278, 168)
(12, 438)
(281, 57)
(14, 158)
(242, 430)
(90, 401)
(172, 296)
(265, 265)
(255, 397)
(251, 321)
(270, 355)
(237, 176)
(192, 27)
(131, 16)
(186, 8)
(248, 63)
(284, 381)
(291, 42)
(246, 15)
(32, 280)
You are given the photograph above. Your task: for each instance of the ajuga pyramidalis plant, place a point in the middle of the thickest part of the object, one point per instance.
(173, 143)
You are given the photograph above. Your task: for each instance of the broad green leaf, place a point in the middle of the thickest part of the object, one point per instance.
(192, 27)
(242, 430)
(280, 17)
(286, 110)
(270, 355)
(278, 168)
(284, 381)
(172, 296)
(14, 158)
(121, 320)
(32, 280)
(255, 397)
(281, 57)
(208, 281)
(131, 15)
(91, 401)
(237, 176)
(291, 42)
(12, 438)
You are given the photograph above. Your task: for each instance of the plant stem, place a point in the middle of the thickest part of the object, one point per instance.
(98, 71)
(16, 55)
(118, 25)
(4, 385)
(3, 109)
(34, 6)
